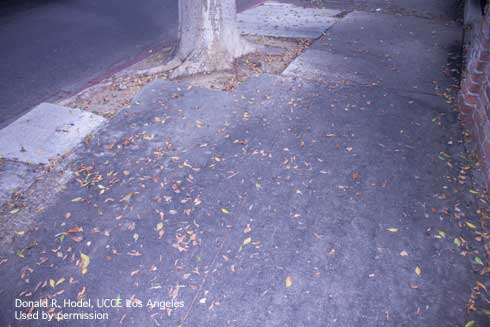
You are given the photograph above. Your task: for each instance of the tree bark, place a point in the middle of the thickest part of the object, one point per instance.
(209, 39)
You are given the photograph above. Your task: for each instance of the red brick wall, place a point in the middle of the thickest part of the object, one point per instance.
(474, 97)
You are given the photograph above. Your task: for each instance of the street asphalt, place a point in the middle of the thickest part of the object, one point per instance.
(51, 49)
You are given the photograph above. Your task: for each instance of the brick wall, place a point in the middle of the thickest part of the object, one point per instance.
(474, 96)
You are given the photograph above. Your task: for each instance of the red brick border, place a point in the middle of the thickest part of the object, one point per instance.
(474, 95)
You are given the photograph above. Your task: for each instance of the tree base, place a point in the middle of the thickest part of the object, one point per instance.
(208, 61)
(201, 61)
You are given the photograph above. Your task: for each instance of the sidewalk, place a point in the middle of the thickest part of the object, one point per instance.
(336, 194)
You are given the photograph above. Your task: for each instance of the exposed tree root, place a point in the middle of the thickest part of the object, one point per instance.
(172, 64)
(202, 64)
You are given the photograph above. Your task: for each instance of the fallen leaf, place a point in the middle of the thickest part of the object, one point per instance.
(485, 270)
(134, 253)
(393, 230)
(223, 210)
(481, 285)
(84, 262)
(418, 271)
(479, 261)
(127, 197)
(470, 225)
(77, 199)
(20, 253)
(75, 229)
(470, 323)
(289, 281)
(404, 253)
(13, 212)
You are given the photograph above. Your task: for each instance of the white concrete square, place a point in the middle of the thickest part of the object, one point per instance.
(45, 132)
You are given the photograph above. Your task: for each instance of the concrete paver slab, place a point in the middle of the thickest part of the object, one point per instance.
(45, 132)
(381, 49)
(286, 20)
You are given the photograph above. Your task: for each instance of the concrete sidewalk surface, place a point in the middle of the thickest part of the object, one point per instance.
(339, 193)
(46, 132)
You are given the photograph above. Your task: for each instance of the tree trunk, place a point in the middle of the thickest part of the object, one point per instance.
(209, 39)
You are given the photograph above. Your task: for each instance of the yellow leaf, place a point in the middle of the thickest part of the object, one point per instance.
(470, 323)
(470, 225)
(13, 212)
(393, 230)
(247, 241)
(289, 281)
(223, 210)
(51, 283)
(77, 199)
(61, 280)
(84, 262)
(479, 261)
(418, 271)
(127, 197)
(159, 226)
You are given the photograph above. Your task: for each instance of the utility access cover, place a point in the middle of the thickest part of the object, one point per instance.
(286, 20)
(45, 132)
